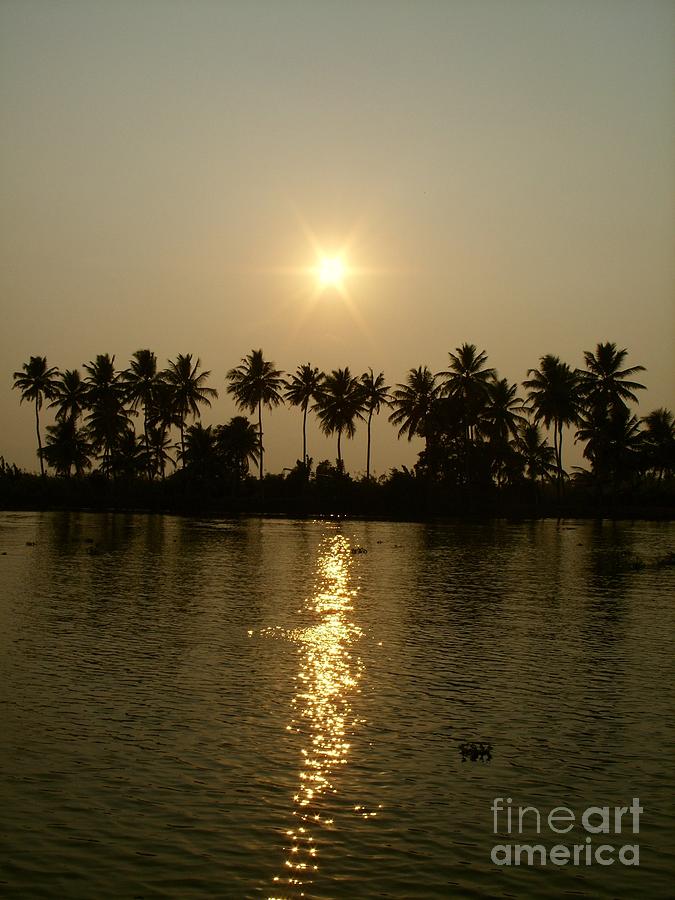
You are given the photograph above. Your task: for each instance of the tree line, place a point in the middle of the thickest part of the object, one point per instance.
(477, 429)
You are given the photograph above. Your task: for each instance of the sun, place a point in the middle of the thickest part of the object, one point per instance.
(331, 271)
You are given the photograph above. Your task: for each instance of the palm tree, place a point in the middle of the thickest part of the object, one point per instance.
(339, 404)
(70, 396)
(160, 444)
(141, 380)
(130, 456)
(238, 443)
(200, 457)
(301, 389)
(188, 391)
(501, 422)
(162, 417)
(613, 441)
(625, 443)
(467, 380)
(375, 395)
(539, 458)
(66, 447)
(554, 394)
(254, 384)
(604, 383)
(108, 420)
(36, 383)
(659, 442)
(503, 413)
(413, 401)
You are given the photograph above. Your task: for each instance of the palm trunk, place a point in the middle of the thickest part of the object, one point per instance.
(467, 453)
(339, 459)
(39, 440)
(260, 433)
(148, 461)
(304, 437)
(557, 442)
(559, 448)
(182, 444)
(370, 417)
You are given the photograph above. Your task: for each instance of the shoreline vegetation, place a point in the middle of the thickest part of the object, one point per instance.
(131, 439)
(346, 499)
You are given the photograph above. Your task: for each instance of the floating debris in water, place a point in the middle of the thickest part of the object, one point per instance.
(621, 561)
(356, 550)
(625, 561)
(667, 560)
(476, 750)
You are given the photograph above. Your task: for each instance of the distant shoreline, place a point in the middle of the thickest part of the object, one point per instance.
(568, 516)
(403, 497)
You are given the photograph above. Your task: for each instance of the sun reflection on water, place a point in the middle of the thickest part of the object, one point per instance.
(322, 711)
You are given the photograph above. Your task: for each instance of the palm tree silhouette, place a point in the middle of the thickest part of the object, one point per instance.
(141, 380)
(659, 442)
(339, 404)
(604, 383)
(539, 458)
(413, 402)
(70, 396)
(254, 384)
(554, 395)
(301, 389)
(467, 381)
(614, 442)
(67, 446)
(129, 457)
(107, 420)
(504, 410)
(188, 391)
(162, 417)
(238, 444)
(36, 383)
(501, 421)
(200, 456)
(160, 442)
(375, 395)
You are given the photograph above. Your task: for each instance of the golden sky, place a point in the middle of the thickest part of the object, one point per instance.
(498, 172)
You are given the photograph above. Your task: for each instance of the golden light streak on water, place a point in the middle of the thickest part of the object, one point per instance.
(322, 712)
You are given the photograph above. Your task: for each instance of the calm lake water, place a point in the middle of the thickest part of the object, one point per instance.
(249, 709)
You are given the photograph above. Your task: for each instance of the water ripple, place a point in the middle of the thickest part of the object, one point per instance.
(178, 704)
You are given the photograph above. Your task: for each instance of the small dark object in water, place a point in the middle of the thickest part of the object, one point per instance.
(623, 561)
(356, 550)
(89, 540)
(30, 543)
(667, 560)
(476, 750)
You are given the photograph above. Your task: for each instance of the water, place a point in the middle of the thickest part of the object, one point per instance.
(207, 709)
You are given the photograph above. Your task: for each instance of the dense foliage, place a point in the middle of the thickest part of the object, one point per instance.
(136, 432)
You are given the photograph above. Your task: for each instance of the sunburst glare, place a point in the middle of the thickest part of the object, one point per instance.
(331, 271)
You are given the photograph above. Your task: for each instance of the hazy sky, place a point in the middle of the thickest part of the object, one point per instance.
(502, 173)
